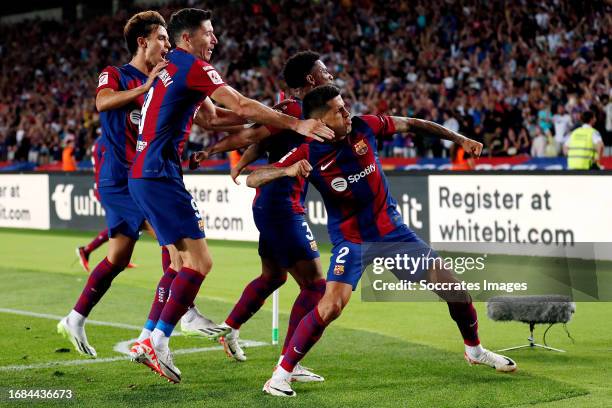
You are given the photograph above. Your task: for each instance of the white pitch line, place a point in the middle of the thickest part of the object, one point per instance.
(84, 361)
(121, 347)
(58, 318)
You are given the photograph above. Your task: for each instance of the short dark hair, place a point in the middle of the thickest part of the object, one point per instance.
(587, 116)
(298, 66)
(187, 19)
(141, 25)
(315, 101)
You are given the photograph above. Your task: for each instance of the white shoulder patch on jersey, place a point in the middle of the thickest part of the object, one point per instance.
(103, 79)
(214, 77)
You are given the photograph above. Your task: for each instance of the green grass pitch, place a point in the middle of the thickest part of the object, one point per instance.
(375, 355)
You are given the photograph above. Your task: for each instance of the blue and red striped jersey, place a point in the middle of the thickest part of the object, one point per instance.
(97, 157)
(349, 176)
(168, 112)
(284, 196)
(119, 126)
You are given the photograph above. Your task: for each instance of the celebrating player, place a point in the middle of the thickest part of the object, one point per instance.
(285, 240)
(119, 98)
(156, 182)
(360, 209)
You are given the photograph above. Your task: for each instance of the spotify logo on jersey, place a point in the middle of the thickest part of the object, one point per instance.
(339, 184)
(135, 116)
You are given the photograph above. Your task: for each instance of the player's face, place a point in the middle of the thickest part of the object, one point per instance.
(157, 46)
(320, 74)
(203, 41)
(338, 118)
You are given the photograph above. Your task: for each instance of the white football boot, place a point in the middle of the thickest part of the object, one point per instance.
(160, 360)
(76, 335)
(232, 347)
(193, 323)
(494, 360)
(278, 388)
(304, 374)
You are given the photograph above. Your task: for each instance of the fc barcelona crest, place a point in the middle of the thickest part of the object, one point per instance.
(360, 147)
(338, 269)
(313, 245)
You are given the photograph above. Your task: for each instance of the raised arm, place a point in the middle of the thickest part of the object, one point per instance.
(249, 156)
(403, 124)
(250, 109)
(108, 99)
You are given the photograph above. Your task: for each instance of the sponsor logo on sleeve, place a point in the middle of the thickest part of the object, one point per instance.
(287, 155)
(165, 77)
(103, 79)
(215, 77)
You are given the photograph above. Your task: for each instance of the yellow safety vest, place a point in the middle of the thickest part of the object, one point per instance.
(581, 151)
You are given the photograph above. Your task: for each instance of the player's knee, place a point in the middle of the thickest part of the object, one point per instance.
(275, 280)
(330, 311)
(206, 265)
(120, 261)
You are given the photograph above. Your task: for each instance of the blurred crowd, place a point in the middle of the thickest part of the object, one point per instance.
(513, 74)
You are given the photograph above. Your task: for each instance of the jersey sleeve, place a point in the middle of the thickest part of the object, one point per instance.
(293, 156)
(204, 78)
(382, 125)
(109, 78)
(288, 107)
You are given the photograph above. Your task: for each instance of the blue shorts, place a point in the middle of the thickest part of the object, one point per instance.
(349, 259)
(169, 208)
(122, 214)
(285, 240)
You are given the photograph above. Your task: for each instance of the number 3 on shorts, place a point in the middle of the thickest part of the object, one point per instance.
(308, 235)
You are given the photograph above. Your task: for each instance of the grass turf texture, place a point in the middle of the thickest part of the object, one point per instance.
(376, 354)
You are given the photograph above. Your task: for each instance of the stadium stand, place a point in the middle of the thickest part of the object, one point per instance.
(513, 74)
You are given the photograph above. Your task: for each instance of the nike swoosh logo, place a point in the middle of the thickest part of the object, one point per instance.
(323, 167)
(171, 370)
(296, 350)
(283, 391)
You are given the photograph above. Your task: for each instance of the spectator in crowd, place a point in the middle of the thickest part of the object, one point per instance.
(562, 122)
(490, 66)
(68, 160)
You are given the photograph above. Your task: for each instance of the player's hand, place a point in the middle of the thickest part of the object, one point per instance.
(314, 129)
(299, 169)
(235, 172)
(154, 74)
(472, 147)
(201, 155)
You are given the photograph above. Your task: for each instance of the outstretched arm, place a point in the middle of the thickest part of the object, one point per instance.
(238, 140)
(234, 141)
(403, 124)
(250, 109)
(266, 175)
(212, 117)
